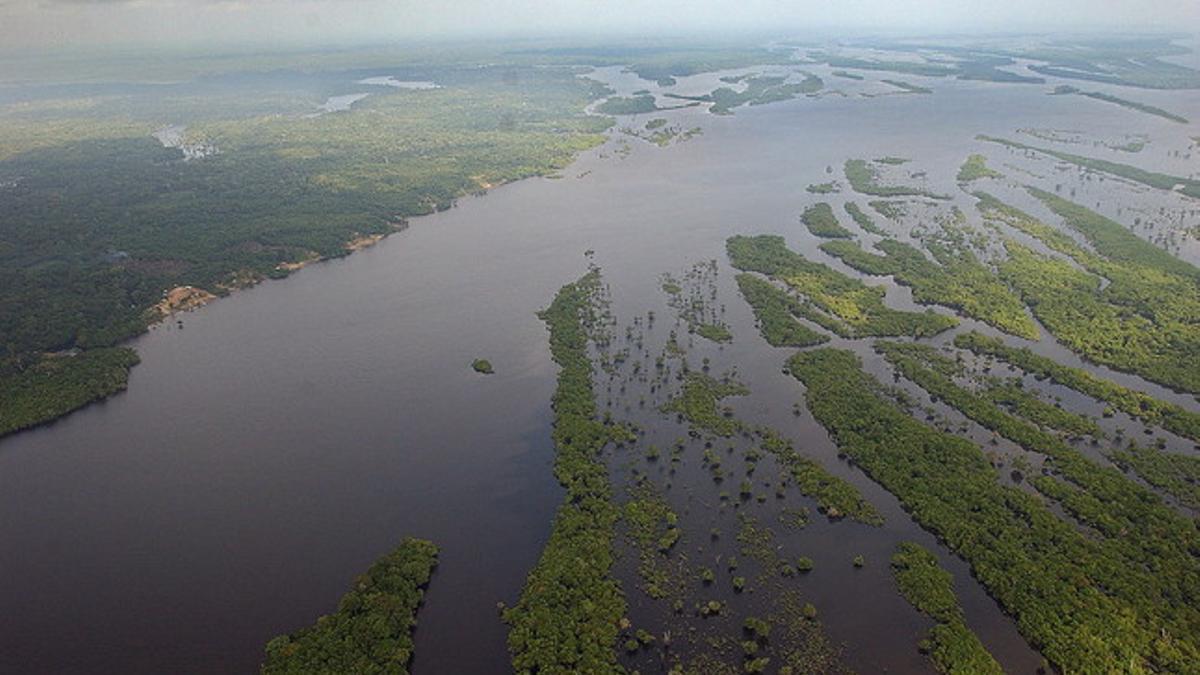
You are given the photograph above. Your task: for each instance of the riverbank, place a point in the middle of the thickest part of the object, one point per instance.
(283, 193)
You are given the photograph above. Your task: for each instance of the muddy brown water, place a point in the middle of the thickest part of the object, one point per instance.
(288, 435)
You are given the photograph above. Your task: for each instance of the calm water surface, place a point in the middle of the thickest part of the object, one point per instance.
(288, 435)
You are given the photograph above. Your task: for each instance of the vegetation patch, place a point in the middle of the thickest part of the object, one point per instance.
(1174, 474)
(1135, 61)
(1142, 321)
(657, 131)
(568, 614)
(698, 402)
(804, 647)
(483, 366)
(864, 221)
(1023, 403)
(371, 631)
(864, 178)
(1157, 344)
(758, 90)
(892, 210)
(1132, 62)
(952, 646)
(908, 87)
(628, 105)
(835, 497)
(823, 188)
(654, 530)
(1132, 521)
(1112, 240)
(975, 168)
(1079, 601)
(836, 302)
(1150, 410)
(819, 220)
(956, 280)
(1162, 181)
(1123, 102)
(693, 297)
(714, 332)
(904, 67)
(58, 384)
(775, 311)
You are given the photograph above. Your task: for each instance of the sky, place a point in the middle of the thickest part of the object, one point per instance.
(66, 24)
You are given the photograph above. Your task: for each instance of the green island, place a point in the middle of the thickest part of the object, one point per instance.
(715, 332)
(975, 168)
(1123, 102)
(892, 210)
(835, 497)
(759, 90)
(775, 310)
(820, 220)
(955, 278)
(1138, 525)
(822, 188)
(836, 302)
(657, 131)
(864, 178)
(952, 646)
(483, 367)
(371, 631)
(863, 220)
(1078, 600)
(567, 616)
(1142, 321)
(698, 402)
(1023, 403)
(908, 87)
(1186, 186)
(1127, 142)
(905, 67)
(1114, 241)
(1134, 403)
(1175, 474)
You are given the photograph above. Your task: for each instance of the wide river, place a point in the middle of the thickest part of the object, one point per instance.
(283, 438)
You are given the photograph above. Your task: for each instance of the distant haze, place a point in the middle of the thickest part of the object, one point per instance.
(54, 24)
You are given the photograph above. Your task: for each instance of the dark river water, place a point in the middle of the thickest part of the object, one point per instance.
(288, 435)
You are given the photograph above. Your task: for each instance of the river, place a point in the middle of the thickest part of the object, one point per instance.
(272, 447)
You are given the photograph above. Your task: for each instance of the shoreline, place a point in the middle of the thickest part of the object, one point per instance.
(188, 298)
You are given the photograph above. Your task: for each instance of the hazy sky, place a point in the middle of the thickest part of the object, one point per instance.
(62, 23)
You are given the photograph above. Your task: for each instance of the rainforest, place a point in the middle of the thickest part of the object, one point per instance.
(773, 351)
